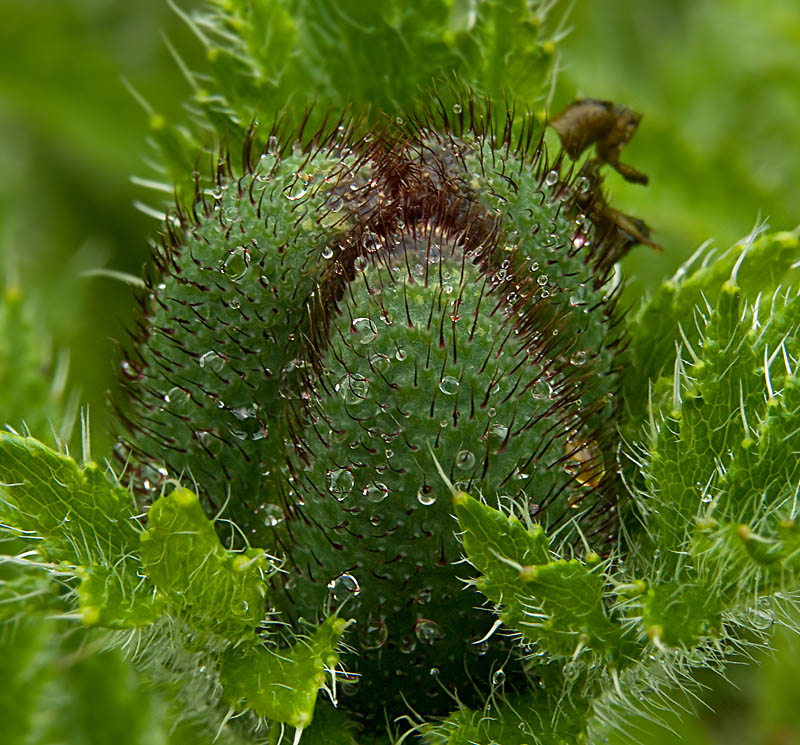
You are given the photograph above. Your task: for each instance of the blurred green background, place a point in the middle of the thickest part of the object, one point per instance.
(718, 82)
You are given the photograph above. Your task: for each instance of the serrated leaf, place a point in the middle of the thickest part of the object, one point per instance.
(282, 685)
(557, 604)
(213, 587)
(674, 314)
(705, 428)
(83, 517)
(543, 715)
(86, 521)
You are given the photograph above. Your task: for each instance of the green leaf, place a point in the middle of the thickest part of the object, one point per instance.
(546, 715)
(557, 604)
(213, 587)
(674, 314)
(308, 61)
(83, 517)
(87, 523)
(282, 684)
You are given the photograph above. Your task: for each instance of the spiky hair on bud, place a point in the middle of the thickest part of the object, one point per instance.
(351, 309)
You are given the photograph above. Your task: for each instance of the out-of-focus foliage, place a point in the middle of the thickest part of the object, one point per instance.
(72, 136)
(718, 85)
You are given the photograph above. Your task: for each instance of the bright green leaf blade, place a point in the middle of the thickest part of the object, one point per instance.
(282, 685)
(215, 588)
(555, 603)
(83, 517)
(679, 305)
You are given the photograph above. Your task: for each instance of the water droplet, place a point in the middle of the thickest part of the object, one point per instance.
(542, 280)
(759, 618)
(542, 390)
(578, 241)
(465, 460)
(367, 331)
(369, 137)
(353, 388)
(327, 252)
(376, 492)
(449, 385)
(235, 265)
(211, 361)
(273, 515)
(374, 635)
(578, 358)
(578, 296)
(361, 263)
(584, 462)
(176, 396)
(426, 496)
(296, 190)
(343, 587)
(427, 631)
(457, 108)
(340, 483)
(379, 362)
(131, 370)
(499, 677)
(400, 355)
(408, 644)
(582, 184)
(235, 303)
(497, 436)
(551, 178)
(245, 412)
(434, 672)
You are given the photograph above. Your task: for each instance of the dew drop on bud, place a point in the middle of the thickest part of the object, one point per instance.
(343, 587)
(367, 331)
(296, 191)
(578, 297)
(408, 644)
(376, 492)
(499, 677)
(465, 460)
(273, 515)
(426, 496)
(579, 358)
(235, 265)
(571, 670)
(374, 635)
(340, 483)
(427, 631)
(551, 178)
(449, 385)
(457, 108)
(131, 370)
(211, 360)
